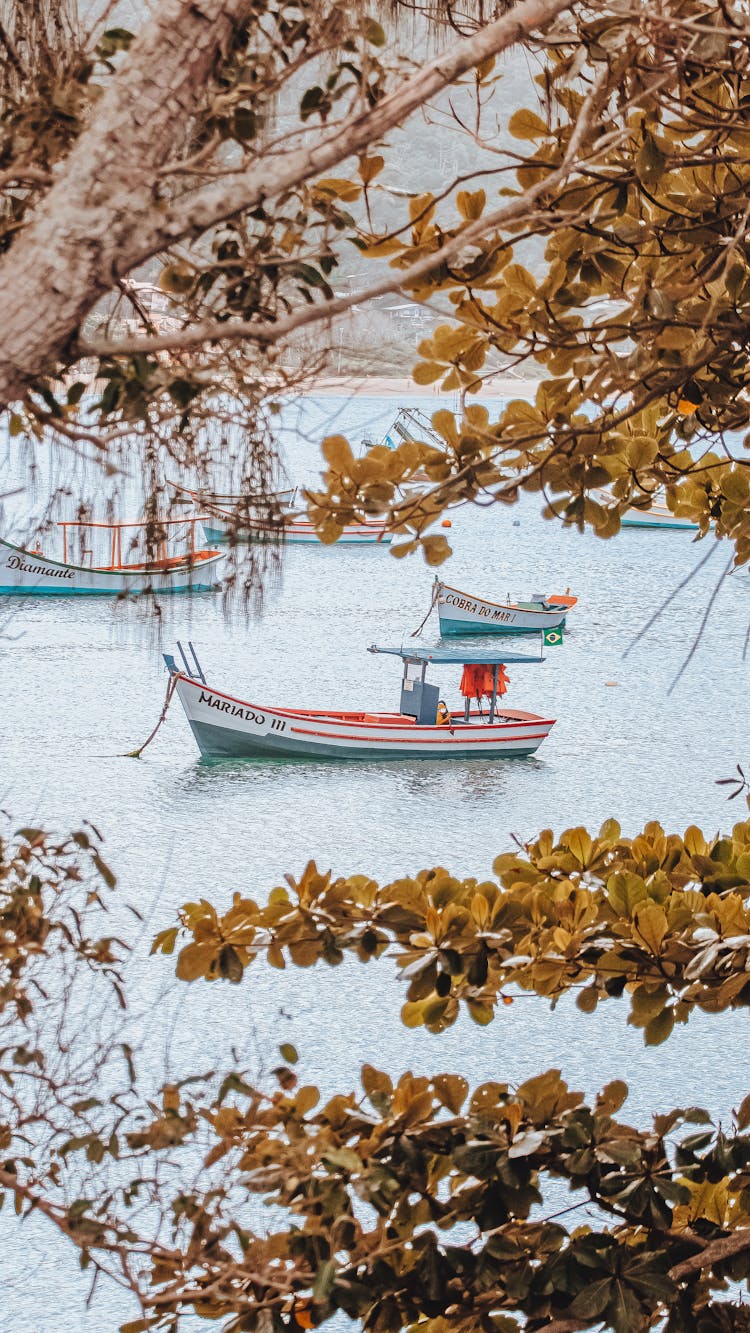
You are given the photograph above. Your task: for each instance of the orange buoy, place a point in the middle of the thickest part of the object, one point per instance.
(689, 399)
(446, 523)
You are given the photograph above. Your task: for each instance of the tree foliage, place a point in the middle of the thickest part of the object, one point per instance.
(235, 154)
(636, 315)
(600, 241)
(417, 1202)
(661, 918)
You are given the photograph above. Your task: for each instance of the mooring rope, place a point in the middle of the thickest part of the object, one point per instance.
(136, 754)
(435, 593)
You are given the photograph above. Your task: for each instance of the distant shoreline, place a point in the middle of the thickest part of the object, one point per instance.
(383, 386)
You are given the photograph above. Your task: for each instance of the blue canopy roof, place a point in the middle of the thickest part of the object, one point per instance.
(460, 656)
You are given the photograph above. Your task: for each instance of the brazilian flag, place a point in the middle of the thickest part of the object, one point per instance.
(552, 638)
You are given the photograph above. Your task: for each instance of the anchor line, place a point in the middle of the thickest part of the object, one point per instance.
(435, 592)
(136, 754)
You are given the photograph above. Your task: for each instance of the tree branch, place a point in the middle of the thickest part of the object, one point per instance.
(265, 333)
(242, 190)
(83, 232)
(714, 1253)
(100, 218)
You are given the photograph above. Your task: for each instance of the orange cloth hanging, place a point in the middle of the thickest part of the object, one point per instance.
(503, 681)
(478, 680)
(472, 681)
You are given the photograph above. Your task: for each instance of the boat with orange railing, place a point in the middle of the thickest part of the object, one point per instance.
(84, 572)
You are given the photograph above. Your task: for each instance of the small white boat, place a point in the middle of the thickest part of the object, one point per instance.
(30, 573)
(226, 726)
(239, 520)
(655, 515)
(221, 527)
(463, 613)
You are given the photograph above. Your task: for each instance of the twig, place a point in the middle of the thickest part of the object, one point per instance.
(702, 626)
(670, 598)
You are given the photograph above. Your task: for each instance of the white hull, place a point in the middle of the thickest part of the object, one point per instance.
(225, 727)
(657, 516)
(461, 613)
(24, 574)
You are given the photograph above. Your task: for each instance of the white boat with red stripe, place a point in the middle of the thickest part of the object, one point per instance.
(227, 726)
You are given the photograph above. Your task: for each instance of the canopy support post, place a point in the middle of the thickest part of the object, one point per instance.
(493, 701)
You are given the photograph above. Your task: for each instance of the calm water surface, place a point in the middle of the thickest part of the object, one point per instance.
(81, 684)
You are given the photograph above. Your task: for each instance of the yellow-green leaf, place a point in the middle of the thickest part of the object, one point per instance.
(471, 204)
(525, 124)
(369, 168)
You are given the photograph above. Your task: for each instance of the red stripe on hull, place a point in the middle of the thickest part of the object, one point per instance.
(426, 740)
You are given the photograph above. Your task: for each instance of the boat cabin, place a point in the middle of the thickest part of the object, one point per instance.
(420, 699)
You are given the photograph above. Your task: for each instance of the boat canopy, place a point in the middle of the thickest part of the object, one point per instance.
(458, 656)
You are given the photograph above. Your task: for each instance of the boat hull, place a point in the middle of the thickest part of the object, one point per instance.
(219, 533)
(461, 613)
(657, 515)
(656, 518)
(25, 574)
(229, 728)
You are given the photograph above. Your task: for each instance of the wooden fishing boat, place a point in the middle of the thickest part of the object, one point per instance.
(226, 726)
(242, 519)
(31, 573)
(463, 613)
(655, 515)
(254, 501)
(221, 526)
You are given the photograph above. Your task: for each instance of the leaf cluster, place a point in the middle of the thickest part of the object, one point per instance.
(635, 314)
(424, 1204)
(37, 918)
(662, 919)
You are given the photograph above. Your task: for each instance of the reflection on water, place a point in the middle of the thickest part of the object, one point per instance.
(84, 683)
(454, 778)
